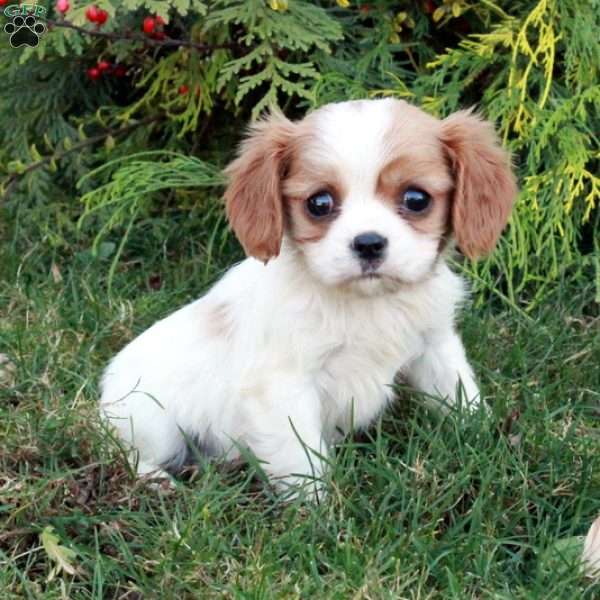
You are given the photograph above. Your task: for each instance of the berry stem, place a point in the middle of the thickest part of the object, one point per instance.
(128, 35)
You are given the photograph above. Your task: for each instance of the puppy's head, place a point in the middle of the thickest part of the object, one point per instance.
(369, 192)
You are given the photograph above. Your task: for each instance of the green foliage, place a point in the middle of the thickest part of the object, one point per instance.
(303, 28)
(135, 183)
(162, 8)
(531, 66)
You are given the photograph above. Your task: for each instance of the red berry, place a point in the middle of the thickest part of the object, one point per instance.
(120, 71)
(93, 73)
(91, 13)
(148, 25)
(430, 6)
(158, 35)
(3, 2)
(183, 89)
(102, 16)
(63, 6)
(159, 20)
(103, 65)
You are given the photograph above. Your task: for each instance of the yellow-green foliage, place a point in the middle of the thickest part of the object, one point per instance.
(536, 76)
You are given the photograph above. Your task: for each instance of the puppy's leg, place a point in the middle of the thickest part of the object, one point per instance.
(443, 370)
(283, 429)
(149, 432)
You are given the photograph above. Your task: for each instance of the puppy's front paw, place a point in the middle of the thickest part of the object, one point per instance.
(465, 399)
(304, 488)
(154, 477)
(469, 399)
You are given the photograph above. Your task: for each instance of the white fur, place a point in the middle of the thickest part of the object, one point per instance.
(298, 351)
(310, 347)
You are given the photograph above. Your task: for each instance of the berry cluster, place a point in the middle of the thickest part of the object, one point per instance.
(96, 15)
(153, 27)
(104, 67)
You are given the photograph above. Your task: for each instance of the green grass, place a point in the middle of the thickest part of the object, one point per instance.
(418, 507)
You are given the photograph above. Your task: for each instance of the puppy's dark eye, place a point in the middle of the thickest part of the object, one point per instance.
(320, 204)
(415, 200)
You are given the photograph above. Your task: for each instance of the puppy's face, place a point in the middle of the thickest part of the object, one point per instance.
(369, 192)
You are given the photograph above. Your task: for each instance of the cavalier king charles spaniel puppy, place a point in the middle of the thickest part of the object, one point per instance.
(347, 218)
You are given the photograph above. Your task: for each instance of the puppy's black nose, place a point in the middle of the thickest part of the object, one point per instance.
(369, 245)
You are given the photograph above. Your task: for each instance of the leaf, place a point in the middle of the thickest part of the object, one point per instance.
(16, 166)
(109, 142)
(591, 550)
(61, 555)
(278, 4)
(438, 14)
(106, 249)
(55, 272)
(35, 153)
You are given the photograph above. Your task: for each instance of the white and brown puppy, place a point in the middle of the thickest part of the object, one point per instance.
(346, 217)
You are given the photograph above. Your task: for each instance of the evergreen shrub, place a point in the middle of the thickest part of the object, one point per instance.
(113, 118)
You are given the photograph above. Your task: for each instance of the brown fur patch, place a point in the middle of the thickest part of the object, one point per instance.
(416, 159)
(219, 321)
(427, 174)
(303, 228)
(253, 199)
(305, 179)
(485, 187)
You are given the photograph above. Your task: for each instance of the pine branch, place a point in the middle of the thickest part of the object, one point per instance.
(136, 37)
(12, 181)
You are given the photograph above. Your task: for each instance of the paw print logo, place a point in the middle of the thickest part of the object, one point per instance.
(24, 31)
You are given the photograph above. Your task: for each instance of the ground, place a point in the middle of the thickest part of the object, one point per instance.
(419, 507)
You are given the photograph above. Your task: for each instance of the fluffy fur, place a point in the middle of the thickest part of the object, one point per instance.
(301, 340)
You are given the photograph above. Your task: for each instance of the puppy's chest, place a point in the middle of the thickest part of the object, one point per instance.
(356, 375)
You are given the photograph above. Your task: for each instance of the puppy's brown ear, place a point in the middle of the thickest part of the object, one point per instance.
(253, 199)
(485, 187)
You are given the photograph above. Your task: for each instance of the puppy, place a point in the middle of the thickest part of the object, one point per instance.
(346, 217)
